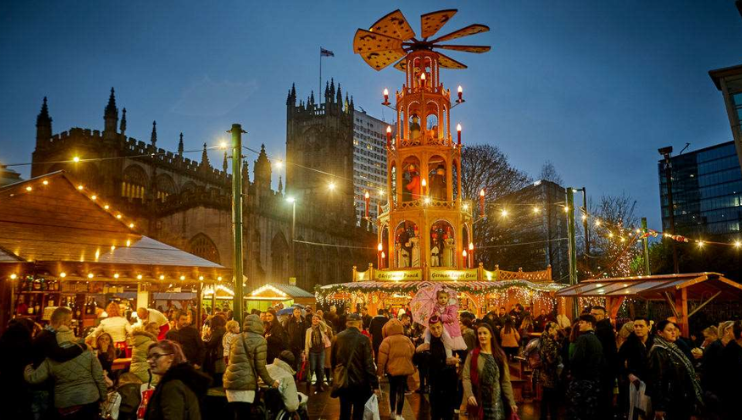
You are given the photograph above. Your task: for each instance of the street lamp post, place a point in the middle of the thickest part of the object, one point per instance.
(292, 200)
(237, 219)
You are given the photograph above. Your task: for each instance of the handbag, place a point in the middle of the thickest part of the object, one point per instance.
(302, 371)
(340, 375)
(413, 381)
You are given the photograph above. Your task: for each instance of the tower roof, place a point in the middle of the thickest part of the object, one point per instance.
(111, 109)
(123, 120)
(180, 145)
(43, 117)
(153, 137)
(204, 159)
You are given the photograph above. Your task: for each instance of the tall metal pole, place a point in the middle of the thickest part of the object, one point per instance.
(572, 246)
(237, 219)
(647, 270)
(585, 223)
(293, 237)
(665, 151)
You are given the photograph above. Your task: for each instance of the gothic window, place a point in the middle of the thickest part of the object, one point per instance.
(134, 183)
(165, 187)
(279, 258)
(202, 246)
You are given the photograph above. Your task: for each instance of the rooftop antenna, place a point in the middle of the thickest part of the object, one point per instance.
(686, 146)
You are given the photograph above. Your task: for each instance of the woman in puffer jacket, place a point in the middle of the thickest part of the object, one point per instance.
(78, 383)
(140, 343)
(395, 360)
(247, 358)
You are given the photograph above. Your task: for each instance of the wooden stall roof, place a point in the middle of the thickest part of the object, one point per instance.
(53, 219)
(698, 286)
(289, 290)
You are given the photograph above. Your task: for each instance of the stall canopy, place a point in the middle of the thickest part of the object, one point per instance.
(675, 289)
(53, 223)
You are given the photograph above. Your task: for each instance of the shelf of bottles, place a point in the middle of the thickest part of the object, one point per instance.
(34, 294)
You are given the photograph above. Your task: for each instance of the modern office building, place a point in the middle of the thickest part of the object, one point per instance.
(531, 230)
(706, 192)
(369, 162)
(729, 82)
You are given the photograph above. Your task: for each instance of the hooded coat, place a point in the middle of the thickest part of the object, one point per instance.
(283, 373)
(141, 341)
(76, 382)
(395, 351)
(178, 395)
(248, 357)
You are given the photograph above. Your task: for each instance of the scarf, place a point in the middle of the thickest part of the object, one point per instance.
(677, 354)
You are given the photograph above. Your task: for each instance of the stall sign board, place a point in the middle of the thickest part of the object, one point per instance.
(453, 275)
(400, 275)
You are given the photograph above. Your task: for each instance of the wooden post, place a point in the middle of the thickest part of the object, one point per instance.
(684, 312)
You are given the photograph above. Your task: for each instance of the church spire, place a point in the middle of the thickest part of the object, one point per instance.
(111, 117)
(43, 124)
(180, 145)
(123, 121)
(332, 88)
(280, 185)
(205, 166)
(339, 98)
(225, 164)
(153, 137)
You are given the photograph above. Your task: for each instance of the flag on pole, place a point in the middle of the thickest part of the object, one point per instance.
(325, 53)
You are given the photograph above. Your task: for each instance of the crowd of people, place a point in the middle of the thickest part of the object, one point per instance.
(278, 359)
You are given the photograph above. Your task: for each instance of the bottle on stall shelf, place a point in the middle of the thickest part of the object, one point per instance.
(37, 307)
(29, 283)
(29, 311)
(37, 285)
(76, 308)
(43, 285)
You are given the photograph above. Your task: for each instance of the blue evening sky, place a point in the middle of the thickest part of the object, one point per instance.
(594, 86)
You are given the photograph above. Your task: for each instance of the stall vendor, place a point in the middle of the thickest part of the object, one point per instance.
(147, 316)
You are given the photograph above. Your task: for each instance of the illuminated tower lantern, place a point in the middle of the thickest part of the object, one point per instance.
(424, 226)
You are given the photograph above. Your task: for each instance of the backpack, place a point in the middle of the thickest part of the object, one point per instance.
(532, 353)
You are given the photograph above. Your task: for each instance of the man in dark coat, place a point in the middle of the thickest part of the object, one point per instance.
(607, 335)
(586, 364)
(443, 377)
(352, 350)
(366, 318)
(632, 358)
(732, 379)
(188, 338)
(296, 330)
(377, 323)
(15, 353)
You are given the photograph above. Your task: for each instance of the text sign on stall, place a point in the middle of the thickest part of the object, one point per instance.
(400, 275)
(438, 274)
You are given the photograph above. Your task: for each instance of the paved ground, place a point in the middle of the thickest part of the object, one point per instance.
(322, 407)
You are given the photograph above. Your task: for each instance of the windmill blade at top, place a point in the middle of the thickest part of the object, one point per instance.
(469, 30)
(401, 65)
(395, 25)
(449, 63)
(466, 48)
(380, 59)
(367, 41)
(431, 23)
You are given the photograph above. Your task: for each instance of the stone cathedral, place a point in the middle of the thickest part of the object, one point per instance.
(187, 203)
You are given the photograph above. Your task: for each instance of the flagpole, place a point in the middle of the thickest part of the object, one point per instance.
(319, 91)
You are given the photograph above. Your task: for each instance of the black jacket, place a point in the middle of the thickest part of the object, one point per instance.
(588, 361)
(277, 339)
(45, 345)
(361, 370)
(178, 395)
(190, 340)
(732, 379)
(607, 336)
(712, 368)
(377, 323)
(442, 375)
(296, 330)
(632, 356)
(669, 384)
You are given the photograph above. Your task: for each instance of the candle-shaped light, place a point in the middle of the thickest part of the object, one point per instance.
(458, 134)
(481, 202)
(367, 198)
(471, 254)
(386, 97)
(380, 247)
(465, 259)
(422, 79)
(461, 94)
(424, 184)
(388, 137)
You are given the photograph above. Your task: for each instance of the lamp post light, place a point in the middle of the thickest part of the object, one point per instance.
(665, 152)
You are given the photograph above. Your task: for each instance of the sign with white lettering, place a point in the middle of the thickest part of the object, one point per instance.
(442, 274)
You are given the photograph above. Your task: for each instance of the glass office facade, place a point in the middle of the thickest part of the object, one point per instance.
(707, 193)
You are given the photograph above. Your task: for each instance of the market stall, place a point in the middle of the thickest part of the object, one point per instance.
(264, 297)
(479, 290)
(61, 244)
(677, 290)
